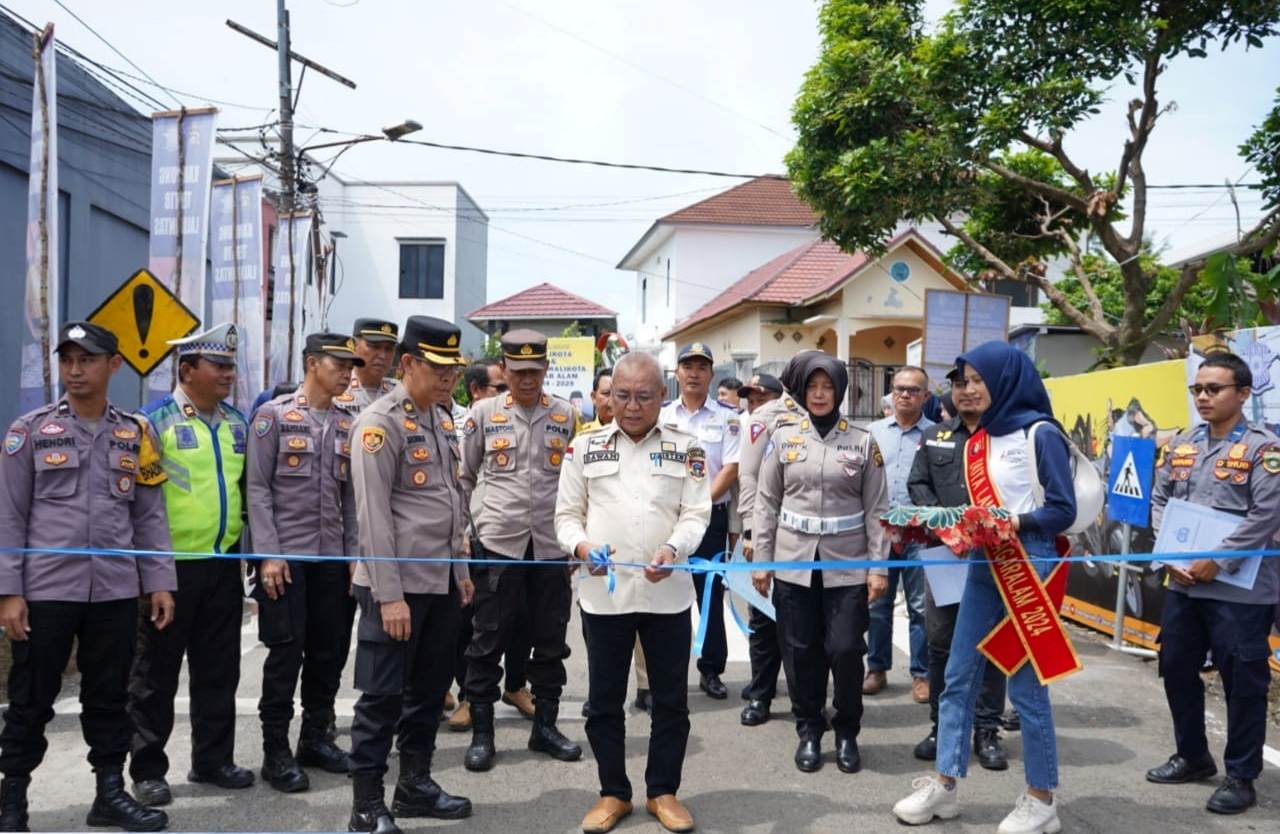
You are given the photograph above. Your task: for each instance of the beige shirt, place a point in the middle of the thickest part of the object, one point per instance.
(635, 497)
(518, 454)
(839, 475)
(760, 426)
(408, 499)
(357, 397)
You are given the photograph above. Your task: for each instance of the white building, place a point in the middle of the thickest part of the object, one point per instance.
(400, 248)
(692, 255)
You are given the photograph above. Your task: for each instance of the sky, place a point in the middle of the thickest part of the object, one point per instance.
(706, 84)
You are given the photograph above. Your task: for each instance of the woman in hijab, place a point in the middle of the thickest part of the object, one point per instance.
(1005, 379)
(821, 493)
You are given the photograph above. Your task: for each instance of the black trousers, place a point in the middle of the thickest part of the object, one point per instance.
(402, 684)
(206, 628)
(822, 631)
(307, 630)
(766, 658)
(715, 649)
(106, 632)
(665, 640)
(940, 625)
(502, 591)
(1237, 635)
(514, 661)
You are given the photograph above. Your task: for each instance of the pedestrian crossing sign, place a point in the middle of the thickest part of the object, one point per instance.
(1131, 475)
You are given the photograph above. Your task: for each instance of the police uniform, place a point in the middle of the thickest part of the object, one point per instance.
(717, 428)
(636, 496)
(69, 482)
(301, 502)
(1240, 475)
(821, 499)
(764, 651)
(518, 451)
(409, 504)
(358, 396)
(203, 458)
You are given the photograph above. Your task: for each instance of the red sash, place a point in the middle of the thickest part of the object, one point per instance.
(1031, 630)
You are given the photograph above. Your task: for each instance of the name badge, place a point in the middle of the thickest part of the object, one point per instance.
(941, 444)
(186, 437)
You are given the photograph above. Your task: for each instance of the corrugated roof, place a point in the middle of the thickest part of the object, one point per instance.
(543, 301)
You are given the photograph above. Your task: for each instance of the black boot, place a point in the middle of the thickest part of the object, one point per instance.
(418, 795)
(114, 807)
(927, 749)
(848, 759)
(809, 754)
(545, 738)
(316, 747)
(369, 807)
(279, 767)
(13, 803)
(986, 744)
(481, 753)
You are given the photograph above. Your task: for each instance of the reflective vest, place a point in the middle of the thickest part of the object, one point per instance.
(203, 493)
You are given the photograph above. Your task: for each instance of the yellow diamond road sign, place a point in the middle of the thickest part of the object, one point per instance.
(144, 314)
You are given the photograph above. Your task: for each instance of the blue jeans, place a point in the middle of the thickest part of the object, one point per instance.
(880, 632)
(980, 610)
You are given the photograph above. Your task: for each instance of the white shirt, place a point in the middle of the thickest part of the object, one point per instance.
(716, 428)
(1011, 472)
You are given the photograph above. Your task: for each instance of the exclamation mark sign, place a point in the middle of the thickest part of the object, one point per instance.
(144, 302)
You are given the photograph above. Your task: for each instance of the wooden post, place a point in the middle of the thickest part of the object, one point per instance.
(45, 314)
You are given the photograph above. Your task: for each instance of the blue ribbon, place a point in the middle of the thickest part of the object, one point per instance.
(600, 558)
(821, 564)
(714, 569)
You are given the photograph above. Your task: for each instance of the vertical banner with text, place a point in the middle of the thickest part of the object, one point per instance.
(237, 277)
(37, 373)
(571, 371)
(292, 271)
(181, 170)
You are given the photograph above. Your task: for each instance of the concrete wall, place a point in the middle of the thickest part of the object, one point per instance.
(104, 172)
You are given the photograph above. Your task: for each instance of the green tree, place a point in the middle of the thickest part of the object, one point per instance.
(971, 121)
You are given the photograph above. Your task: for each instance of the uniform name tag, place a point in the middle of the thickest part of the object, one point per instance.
(941, 444)
(596, 457)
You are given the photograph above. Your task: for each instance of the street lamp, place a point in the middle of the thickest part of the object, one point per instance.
(389, 134)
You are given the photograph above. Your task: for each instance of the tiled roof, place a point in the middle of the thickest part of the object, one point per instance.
(544, 301)
(763, 201)
(808, 271)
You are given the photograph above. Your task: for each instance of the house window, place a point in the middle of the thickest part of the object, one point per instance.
(422, 270)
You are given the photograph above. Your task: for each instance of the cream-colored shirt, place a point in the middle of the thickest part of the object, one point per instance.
(635, 497)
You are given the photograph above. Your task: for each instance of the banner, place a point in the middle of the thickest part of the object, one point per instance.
(37, 373)
(181, 170)
(572, 370)
(1142, 401)
(288, 298)
(955, 322)
(237, 277)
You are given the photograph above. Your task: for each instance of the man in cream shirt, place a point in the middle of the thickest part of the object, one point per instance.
(641, 490)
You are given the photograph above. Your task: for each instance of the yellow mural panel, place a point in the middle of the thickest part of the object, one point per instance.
(1144, 400)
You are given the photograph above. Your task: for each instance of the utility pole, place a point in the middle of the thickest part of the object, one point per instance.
(287, 162)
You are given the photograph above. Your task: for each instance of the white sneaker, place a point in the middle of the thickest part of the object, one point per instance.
(1031, 816)
(931, 799)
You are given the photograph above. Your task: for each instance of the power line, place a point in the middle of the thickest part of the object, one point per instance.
(126, 58)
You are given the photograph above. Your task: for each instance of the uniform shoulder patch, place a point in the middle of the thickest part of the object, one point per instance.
(263, 423)
(695, 462)
(1270, 460)
(755, 430)
(15, 440)
(372, 439)
(875, 454)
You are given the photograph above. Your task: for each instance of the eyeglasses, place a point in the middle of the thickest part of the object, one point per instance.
(1213, 389)
(641, 398)
(907, 390)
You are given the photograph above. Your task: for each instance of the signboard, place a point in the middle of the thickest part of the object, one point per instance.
(235, 268)
(572, 370)
(144, 314)
(292, 277)
(1133, 461)
(956, 321)
(37, 369)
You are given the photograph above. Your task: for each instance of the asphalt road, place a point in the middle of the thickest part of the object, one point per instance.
(1112, 724)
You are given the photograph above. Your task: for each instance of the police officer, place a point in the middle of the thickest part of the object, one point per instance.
(769, 406)
(300, 502)
(820, 496)
(517, 442)
(1232, 466)
(202, 446)
(639, 488)
(409, 504)
(376, 346)
(716, 427)
(78, 473)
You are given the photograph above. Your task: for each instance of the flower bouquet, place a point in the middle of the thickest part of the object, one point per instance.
(960, 528)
